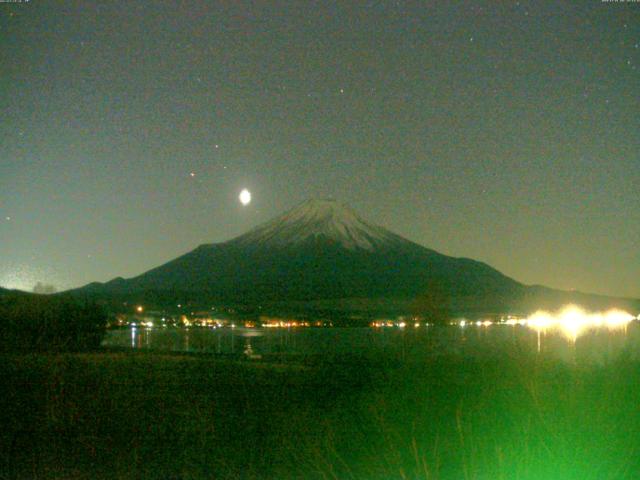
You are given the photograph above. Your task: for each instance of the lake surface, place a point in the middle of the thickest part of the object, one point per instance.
(598, 345)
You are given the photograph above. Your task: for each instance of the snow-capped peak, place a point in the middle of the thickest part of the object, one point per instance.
(324, 218)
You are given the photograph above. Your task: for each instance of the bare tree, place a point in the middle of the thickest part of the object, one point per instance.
(44, 288)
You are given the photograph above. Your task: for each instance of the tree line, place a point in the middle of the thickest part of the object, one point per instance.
(49, 323)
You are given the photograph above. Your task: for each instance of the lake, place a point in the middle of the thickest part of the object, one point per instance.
(409, 343)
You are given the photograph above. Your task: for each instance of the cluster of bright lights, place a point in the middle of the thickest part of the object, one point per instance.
(477, 323)
(391, 323)
(383, 323)
(572, 321)
(285, 324)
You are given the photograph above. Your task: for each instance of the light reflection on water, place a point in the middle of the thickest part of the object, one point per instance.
(594, 345)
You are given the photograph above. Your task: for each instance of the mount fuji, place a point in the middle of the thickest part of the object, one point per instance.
(322, 256)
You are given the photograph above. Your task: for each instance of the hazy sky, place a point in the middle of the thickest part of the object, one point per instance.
(508, 132)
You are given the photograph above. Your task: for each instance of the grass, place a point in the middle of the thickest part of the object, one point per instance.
(169, 416)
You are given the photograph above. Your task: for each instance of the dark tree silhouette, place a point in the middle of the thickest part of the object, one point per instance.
(47, 323)
(44, 288)
(433, 304)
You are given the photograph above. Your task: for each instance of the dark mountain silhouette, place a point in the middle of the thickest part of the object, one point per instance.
(321, 255)
(7, 292)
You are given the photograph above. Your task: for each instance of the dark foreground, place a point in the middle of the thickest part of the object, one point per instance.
(153, 416)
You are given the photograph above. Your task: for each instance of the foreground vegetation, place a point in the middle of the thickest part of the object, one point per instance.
(148, 415)
(40, 323)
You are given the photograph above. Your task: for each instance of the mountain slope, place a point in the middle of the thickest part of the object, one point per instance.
(319, 219)
(321, 252)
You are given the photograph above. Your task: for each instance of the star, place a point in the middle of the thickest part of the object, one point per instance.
(8, 218)
(192, 174)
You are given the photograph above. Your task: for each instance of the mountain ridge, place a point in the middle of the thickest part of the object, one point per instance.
(321, 252)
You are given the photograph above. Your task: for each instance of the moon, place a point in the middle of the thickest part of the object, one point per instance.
(245, 197)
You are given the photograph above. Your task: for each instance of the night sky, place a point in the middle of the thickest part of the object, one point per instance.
(508, 132)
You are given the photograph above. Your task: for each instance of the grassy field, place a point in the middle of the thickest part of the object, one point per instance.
(165, 416)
